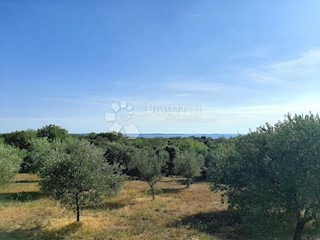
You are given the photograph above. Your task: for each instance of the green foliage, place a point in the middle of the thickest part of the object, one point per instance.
(173, 151)
(52, 132)
(25, 140)
(273, 175)
(20, 139)
(217, 154)
(190, 144)
(76, 174)
(150, 164)
(117, 153)
(153, 143)
(41, 152)
(188, 164)
(10, 161)
(102, 139)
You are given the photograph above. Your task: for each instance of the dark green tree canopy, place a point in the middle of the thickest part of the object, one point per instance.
(121, 154)
(20, 139)
(102, 139)
(173, 151)
(52, 132)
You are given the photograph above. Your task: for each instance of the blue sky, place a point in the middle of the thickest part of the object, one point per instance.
(182, 66)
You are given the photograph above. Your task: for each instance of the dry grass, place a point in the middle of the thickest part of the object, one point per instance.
(177, 213)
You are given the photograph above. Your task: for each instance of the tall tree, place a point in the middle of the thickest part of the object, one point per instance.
(76, 174)
(188, 164)
(273, 175)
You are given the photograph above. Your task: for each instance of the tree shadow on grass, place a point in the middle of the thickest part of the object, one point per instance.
(194, 180)
(105, 205)
(28, 181)
(199, 179)
(37, 233)
(62, 232)
(181, 181)
(225, 224)
(21, 196)
(111, 205)
(172, 190)
(19, 234)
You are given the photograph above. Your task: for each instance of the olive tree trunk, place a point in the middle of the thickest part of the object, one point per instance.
(78, 207)
(152, 192)
(299, 230)
(188, 182)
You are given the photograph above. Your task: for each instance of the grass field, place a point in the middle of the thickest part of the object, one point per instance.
(176, 213)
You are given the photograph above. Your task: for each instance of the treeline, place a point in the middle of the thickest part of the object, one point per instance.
(79, 170)
(122, 150)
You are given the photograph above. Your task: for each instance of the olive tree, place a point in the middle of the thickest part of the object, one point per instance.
(10, 161)
(150, 164)
(273, 175)
(188, 164)
(76, 174)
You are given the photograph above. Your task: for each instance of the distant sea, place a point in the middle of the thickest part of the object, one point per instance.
(162, 135)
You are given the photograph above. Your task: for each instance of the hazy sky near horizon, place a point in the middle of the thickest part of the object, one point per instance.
(166, 66)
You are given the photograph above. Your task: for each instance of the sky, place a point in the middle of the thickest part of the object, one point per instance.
(150, 66)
